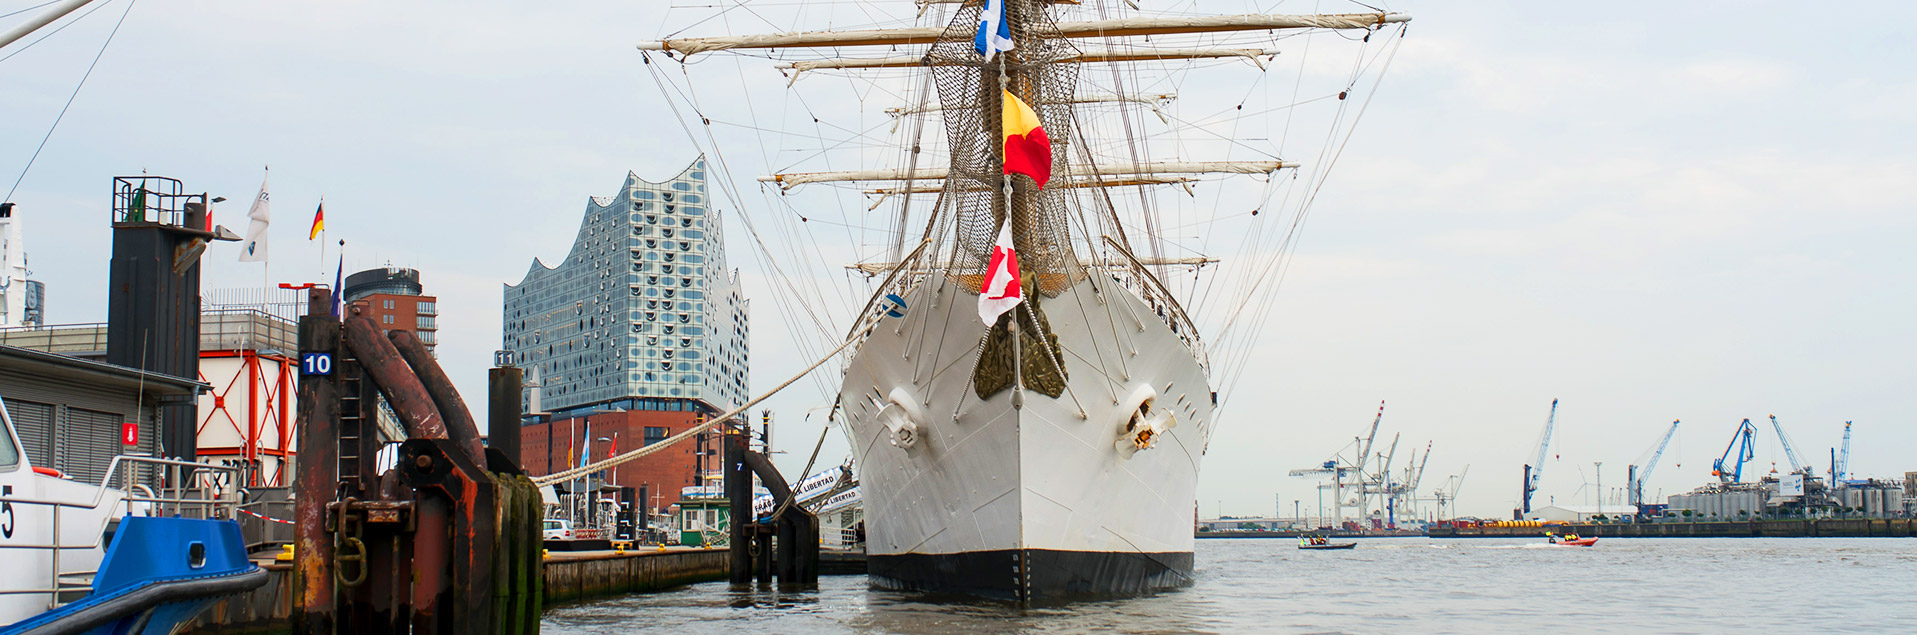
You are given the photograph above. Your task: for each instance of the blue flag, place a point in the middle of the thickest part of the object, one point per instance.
(337, 298)
(994, 33)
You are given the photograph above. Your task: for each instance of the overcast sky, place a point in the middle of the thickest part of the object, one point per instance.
(1649, 211)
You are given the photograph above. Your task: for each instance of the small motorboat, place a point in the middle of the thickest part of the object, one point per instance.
(1329, 545)
(1572, 540)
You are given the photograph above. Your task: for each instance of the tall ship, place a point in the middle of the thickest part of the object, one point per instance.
(1026, 395)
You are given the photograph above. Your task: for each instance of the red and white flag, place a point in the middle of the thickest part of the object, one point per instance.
(1001, 290)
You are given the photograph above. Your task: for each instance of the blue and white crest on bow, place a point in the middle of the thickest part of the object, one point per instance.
(994, 33)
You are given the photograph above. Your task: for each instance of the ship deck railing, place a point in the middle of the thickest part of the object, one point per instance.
(206, 492)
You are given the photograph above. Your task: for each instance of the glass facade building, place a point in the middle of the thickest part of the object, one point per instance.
(643, 314)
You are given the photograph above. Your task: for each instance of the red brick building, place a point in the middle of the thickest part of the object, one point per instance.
(551, 447)
(394, 299)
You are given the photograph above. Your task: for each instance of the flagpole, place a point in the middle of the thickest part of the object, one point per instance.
(266, 264)
(322, 236)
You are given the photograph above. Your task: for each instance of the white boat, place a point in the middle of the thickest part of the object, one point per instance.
(55, 534)
(1062, 462)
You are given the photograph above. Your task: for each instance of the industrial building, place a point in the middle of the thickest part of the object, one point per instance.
(75, 415)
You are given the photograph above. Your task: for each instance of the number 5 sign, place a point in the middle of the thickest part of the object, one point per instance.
(316, 363)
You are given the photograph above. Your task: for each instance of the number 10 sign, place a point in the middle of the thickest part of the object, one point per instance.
(316, 363)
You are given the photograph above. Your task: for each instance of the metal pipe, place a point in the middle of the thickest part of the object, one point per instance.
(403, 390)
(460, 426)
(41, 20)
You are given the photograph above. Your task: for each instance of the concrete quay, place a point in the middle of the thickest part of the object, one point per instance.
(568, 577)
(1819, 528)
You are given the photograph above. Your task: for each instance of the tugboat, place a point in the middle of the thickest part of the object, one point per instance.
(96, 558)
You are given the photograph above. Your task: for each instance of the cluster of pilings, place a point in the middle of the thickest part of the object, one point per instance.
(445, 541)
(787, 542)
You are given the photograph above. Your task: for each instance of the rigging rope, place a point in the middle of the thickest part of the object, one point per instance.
(76, 89)
(690, 432)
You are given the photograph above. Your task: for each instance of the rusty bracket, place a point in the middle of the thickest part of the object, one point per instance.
(357, 514)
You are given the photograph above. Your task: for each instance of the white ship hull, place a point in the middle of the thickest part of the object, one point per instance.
(1039, 501)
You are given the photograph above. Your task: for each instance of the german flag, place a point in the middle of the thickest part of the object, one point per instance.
(319, 221)
(1027, 150)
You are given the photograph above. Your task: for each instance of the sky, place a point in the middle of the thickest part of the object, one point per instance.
(1649, 212)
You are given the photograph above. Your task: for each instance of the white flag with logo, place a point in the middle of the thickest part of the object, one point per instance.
(253, 249)
(1001, 291)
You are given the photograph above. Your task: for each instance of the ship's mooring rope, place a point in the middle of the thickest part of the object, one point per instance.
(690, 432)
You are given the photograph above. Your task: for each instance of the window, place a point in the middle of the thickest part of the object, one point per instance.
(387, 303)
(386, 318)
(428, 308)
(10, 456)
(655, 434)
(428, 322)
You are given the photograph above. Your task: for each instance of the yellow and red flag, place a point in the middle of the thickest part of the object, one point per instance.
(319, 221)
(1027, 150)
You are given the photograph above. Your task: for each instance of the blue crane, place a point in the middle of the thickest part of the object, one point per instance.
(1535, 471)
(1790, 451)
(1638, 477)
(1741, 445)
(1840, 463)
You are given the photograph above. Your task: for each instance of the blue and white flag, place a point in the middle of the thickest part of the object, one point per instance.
(994, 34)
(253, 249)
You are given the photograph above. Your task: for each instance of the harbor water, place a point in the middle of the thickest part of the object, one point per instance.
(1697, 585)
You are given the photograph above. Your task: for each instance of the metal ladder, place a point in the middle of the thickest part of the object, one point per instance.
(352, 421)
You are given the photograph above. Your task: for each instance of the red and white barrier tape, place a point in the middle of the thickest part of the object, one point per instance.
(269, 518)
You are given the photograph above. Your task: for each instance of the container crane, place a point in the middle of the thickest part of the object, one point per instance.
(1790, 451)
(1636, 477)
(1741, 445)
(1337, 487)
(1840, 463)
(1455, 483)
(1364, 456)
(1535, 470)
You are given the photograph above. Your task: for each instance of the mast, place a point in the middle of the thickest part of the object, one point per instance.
(795, 179)
(1075, 30)
(1134, 55)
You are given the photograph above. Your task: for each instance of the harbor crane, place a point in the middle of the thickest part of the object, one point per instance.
(1790, 450)
(1840, 462)
(1741, 446)
(1636, 477)
(1365, 447)
(1454, 483)
(1535, 470)
(1337, 487)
